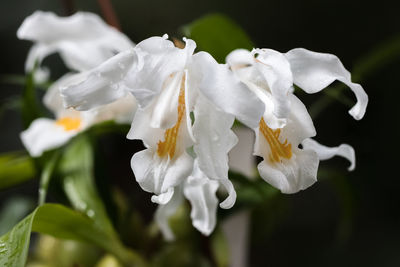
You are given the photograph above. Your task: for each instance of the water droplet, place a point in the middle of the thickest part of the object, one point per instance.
(121, 65)
(3, 248)
(90, 213)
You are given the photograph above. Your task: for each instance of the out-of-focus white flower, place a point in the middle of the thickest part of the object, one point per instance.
(286, 123)
(45, 134)
(83, 40)
(170, 84)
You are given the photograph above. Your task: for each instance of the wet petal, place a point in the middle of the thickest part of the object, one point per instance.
(214, 139)
(102, 85)
(158, 59)
(223, 89)
(293, 175)
(158, 175)
(201, 193)
(276, 71)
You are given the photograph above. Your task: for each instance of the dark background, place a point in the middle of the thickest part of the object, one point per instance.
(348, 219)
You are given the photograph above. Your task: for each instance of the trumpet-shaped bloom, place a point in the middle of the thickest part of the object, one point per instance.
(171, 84)
(45, 134)
(286, 124)
(83, 40)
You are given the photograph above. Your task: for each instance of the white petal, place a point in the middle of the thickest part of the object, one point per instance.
(43, 134)
(223, 89)
(141, 130)
(239, 58)
(36, 55)
(164, 113)
(164, 212)
(214, 139)
(292, 175)
(275, 69)
(121, 111)
(102, 85)
(158, 59)
(201, 193)
(83, 39)
(241, 157)
(324, 152)
(299, 124)
(158, 175)
(314, 71)
(163, 198)
(52, 99)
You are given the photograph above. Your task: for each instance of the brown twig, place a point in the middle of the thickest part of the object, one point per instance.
(109, 13)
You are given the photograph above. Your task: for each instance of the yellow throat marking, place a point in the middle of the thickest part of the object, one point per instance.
(278, 150)
(69, 123)
(169, 144)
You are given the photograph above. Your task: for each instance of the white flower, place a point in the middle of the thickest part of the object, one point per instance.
(83, 40)
(45, 134)
(286, 123)
(170, 84)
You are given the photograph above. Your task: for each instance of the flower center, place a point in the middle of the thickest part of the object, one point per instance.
(278, 150)
(169, 144)
(69, 123)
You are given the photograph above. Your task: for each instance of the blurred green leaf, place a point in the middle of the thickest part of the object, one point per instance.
(9, 103)
(217, 34)
(18, 79)
(219, 248)
(76, 170)
(13, 210)
(63, 253)
(345, 193)
(61, 222)
(31, 109)
(46, 175)
(251, 192)
(15, 168)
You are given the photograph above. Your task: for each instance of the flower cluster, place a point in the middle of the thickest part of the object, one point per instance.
(187, 103)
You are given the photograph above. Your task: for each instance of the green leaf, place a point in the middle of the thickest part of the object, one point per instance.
(31, 109)
(220, 248)
(218, 35)
(76, 170)
(18, 79)
(61, 222)
(251, 192)
(46, 175)
(14, 245)
(14, 209)
(15, 168)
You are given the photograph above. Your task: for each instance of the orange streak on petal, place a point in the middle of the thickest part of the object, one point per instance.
(168, 146)
(278, 150)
